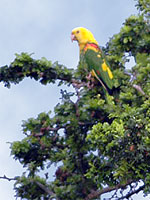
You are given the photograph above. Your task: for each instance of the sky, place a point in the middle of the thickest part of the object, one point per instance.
(43, 27)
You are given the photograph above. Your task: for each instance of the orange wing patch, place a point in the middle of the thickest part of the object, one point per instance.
(98, 72)
(91, 46)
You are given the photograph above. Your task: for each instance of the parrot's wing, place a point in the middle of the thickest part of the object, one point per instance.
(98, 65)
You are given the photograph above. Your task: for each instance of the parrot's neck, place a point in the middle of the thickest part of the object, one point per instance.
(81, 46)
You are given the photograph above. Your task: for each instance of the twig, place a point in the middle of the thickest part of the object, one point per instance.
(138, 88)
(132, 76)
(8, 179)
(41, 133)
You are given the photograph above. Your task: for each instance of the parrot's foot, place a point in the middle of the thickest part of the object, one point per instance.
(91, 81)
(89, 76)
(77, 84)
(90, 85)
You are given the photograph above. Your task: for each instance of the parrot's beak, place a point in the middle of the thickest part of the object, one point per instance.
(73, 37)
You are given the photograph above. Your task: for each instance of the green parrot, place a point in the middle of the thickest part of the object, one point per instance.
(93, 56)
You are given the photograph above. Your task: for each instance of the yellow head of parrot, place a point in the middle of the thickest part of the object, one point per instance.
(82, 36)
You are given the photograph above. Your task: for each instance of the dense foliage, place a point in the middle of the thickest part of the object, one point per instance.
(99, 142)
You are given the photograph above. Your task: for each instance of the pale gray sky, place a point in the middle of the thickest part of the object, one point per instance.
(43, 27)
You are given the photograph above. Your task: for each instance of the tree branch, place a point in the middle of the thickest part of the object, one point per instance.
(47, 190)
(138, 88)
(8, 179)
(43, 70)
(95, 194)
(132, 193)
(43, 187)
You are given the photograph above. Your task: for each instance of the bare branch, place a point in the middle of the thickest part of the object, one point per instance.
(132, 193)
(138, 88)
(8, 179)
(41, 133)
(132, 76)
(95, 194)
(47, 190)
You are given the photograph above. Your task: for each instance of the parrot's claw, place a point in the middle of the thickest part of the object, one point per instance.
(89, 76)
(77, 84)
(91, 81)
(90, 85)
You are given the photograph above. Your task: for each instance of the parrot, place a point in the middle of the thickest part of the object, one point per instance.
(93, 56)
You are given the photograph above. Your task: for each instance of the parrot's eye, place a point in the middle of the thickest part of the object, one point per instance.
(78, 31)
